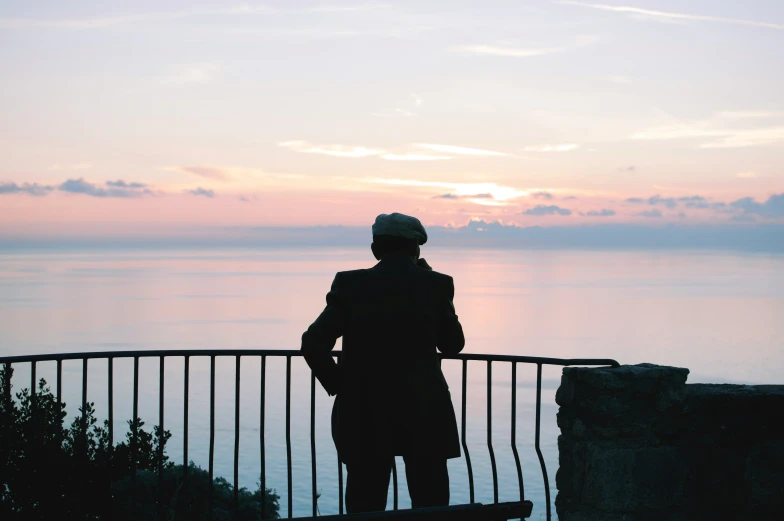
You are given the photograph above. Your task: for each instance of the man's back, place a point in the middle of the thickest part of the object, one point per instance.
(392, 396)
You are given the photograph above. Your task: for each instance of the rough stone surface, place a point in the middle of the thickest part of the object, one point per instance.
(637, 443)
(764, 475)
(627, 479)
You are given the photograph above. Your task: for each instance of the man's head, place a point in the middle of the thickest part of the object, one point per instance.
(397, 234)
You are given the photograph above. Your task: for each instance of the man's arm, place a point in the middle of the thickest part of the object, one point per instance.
(450, 333)
(320, 338)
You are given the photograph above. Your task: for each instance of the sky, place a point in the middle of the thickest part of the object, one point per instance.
(146, 116)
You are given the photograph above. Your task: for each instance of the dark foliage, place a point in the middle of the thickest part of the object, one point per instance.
(48, 471)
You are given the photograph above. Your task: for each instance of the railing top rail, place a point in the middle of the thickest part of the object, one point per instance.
(286, 353)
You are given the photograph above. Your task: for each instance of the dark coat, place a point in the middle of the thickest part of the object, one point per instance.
(392, 398)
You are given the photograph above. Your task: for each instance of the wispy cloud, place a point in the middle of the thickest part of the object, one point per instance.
(480, 199)
(25, 188)
(746, 175)
(542, 195)
(120, 189)
(669, 202)
(651, 214)
(463, 151)
(442, 152)
(202, 192)
(523, 52)
(497, 192)
(667, 16)
(566, 147)
(414, 157)
(207, 172)
(455, 196)
(697, 202)
(605, 212)
(331, 150)
(773, 208)
(72, 166)
(234, 173)
(547, 210)
(724, 130)
(122, 184)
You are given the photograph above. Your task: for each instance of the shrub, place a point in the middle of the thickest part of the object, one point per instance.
(50, 472)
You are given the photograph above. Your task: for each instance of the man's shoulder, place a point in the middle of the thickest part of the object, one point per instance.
(439, 277)
(347, 277)
(359, 277)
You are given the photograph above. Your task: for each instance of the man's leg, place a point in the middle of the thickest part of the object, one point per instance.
(367, 484)
(428, 481)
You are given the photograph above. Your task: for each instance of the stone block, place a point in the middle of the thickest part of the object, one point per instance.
(565, 393)
(628, 479)
(571, 467)
(734, 414)
(714, 483)
(764, 477)
(640, 378)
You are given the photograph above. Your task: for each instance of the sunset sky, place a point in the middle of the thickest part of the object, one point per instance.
(167, 114)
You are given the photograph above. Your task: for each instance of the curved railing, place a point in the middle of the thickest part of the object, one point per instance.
(9, 361)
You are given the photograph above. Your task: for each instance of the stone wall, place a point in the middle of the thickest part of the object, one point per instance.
(638, 443)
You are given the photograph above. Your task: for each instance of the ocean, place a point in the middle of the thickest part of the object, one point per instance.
(716, 313)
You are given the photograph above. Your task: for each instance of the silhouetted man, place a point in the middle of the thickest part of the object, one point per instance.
(392, 398)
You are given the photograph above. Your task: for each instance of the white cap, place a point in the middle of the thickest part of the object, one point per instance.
(399, 225)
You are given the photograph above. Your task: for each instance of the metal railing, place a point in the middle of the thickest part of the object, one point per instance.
(288, 355)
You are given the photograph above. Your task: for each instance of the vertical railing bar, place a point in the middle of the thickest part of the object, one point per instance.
(185, 384)
(83, 441)
(288, 433)
(7, 389)
(536, 443)
(237, 436)
(161, 441)
(313, 441)
(134, 431)
(514, 430)
(394, 483)
(60, 401)
(261, 438)
(84, 399)
(340, 467)
(212, 435)
(7, 398)
(59, 381)
(32, 389)
(33, 401)
(463, 436)
(490, 429)
(110, 448)
(110, 370)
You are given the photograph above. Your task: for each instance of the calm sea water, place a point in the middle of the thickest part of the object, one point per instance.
(718, 314)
